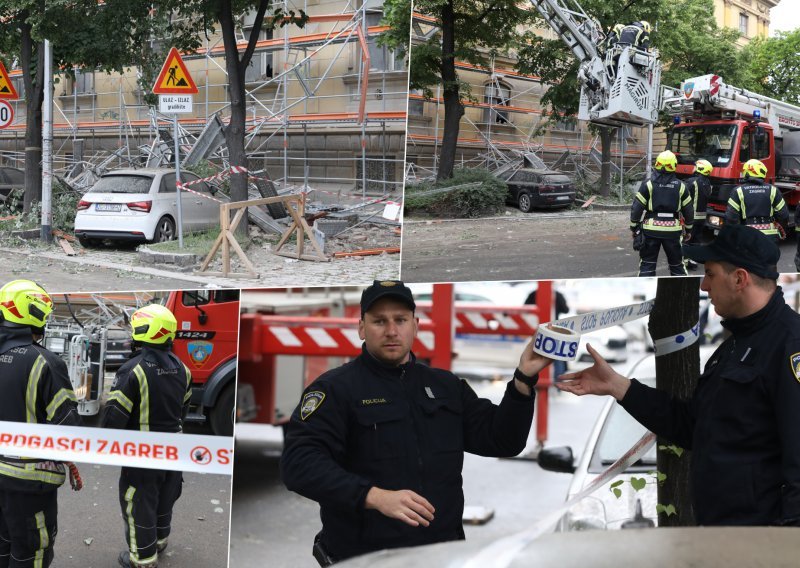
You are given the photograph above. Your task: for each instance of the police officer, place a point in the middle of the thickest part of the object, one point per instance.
(741, 421)
(662, 200)
(379, 442)
(699, 186)
(36, 390)
(151, 393)
(757, 204)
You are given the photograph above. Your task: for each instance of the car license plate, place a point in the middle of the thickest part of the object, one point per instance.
(107, 207)
(562, 198)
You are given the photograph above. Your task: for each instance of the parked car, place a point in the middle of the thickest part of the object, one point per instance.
(614, 433)
(141, 205)
(118, 347)
(11, 180)
(530, 188)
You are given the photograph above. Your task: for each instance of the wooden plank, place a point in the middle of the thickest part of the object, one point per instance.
(66, 247)
(589, 202)
(238, 249)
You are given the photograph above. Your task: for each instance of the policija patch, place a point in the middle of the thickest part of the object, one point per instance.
(311, 401)
(795, 362)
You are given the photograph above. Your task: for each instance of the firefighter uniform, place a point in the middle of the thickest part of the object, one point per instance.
(741, 422)
(661, 201)
(367, 424)
(36, 390)
(699, 187)
(151, 392)
(758, 205)
(636, 34)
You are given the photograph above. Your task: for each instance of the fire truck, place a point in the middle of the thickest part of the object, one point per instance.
(727, 126)
(206, 341)
(289, 338)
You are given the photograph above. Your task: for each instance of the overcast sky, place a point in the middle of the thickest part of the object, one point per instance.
(785, 16)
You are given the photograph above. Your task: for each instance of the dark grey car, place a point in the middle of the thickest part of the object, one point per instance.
(530, 188)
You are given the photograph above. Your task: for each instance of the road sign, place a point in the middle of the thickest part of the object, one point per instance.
(174, 78)
(6, 114)
(175, 103)
(7, 90)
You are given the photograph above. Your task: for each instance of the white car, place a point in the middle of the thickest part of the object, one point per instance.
(140, 205)
(614, 433)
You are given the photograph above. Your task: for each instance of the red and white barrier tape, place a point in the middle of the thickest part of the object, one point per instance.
(152, 450)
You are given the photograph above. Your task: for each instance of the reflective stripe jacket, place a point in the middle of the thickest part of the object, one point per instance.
(634, 34)
(662, 200)
(365, 424)
(151, 392)
(757, 203)
(36, 390)
(699, 187)
(741, 422)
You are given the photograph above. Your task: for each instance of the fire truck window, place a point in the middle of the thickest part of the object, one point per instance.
(744, 149)
(195, 297)
(223, 296)
(760, 145)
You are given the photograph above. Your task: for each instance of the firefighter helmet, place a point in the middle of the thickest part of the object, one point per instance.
(754, 168)
(24, 302)
(153, 324)
(703, 167)
(666, 161)
(645, 26)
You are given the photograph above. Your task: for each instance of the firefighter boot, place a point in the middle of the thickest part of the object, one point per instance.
(126, 562)
(161, 545)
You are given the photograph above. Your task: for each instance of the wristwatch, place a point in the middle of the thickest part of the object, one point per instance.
(525, 379)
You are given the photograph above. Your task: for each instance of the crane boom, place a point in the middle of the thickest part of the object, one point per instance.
(618, 87)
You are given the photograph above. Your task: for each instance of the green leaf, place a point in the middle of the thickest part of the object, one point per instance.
(617, 492)
(660, 477)
(638, 483)
(617, 483)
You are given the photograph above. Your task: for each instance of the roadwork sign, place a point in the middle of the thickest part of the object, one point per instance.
(174, 78)
(7, 90)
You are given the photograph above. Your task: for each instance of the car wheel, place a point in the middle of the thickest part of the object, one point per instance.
(524, 202)
(165, 230)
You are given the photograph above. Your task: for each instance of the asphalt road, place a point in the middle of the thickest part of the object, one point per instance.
(567, 244)
(270, 522)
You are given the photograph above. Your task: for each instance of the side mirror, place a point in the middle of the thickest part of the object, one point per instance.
(559, 460)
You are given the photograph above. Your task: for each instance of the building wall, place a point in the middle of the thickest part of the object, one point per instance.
(750, 17)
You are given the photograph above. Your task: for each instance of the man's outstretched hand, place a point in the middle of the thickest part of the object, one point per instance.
(403, 505)
(599, 379)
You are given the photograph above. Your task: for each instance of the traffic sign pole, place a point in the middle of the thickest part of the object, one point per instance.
(178, 181)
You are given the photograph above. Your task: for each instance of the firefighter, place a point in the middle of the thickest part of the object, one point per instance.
(611, 42)
(662, 200)
(636, 34)
(151, 393)
(379, 442)
(36, 389)
(699, 187)
(757, 204)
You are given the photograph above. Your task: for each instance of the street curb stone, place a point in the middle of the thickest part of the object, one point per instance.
(181, 260)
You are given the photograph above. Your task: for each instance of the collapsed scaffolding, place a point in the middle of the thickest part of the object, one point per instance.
(505, 129)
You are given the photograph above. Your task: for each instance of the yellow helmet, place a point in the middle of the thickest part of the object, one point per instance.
(754, 168)
(153, 324)
(618, 28)
(645, 26)
(703, 167)
(667, 161)
(24, 302)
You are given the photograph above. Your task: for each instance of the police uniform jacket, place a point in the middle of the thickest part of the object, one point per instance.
(662, 200)
(365, 424)
(741, 422)
(700, 189)
(36, 390)
(151, 392)
(757, 203)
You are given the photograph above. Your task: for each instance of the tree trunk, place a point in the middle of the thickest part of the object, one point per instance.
(605, 161)
(234, 132)
(34, 93)
(676, 311)
(453, 109)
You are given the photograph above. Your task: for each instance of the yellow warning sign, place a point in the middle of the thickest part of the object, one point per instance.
(174, 77)
(7, 90)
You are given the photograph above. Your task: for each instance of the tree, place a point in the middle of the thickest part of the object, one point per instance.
(469, 31)
(105, 36)
(675, 311)
(685, 32)
(774, 67)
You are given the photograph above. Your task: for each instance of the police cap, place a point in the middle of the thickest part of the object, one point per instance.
(386, 288)
(741, 246)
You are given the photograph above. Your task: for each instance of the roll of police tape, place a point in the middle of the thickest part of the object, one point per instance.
(555, 342)
(151, 450)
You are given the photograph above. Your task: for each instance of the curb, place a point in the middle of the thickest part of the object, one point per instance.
(182, 260)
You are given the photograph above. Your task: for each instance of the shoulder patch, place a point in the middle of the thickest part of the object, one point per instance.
(311, 401)
(794, 361)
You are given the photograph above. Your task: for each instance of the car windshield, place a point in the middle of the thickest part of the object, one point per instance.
(713, 142)
(620, 432)
(123, 184)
